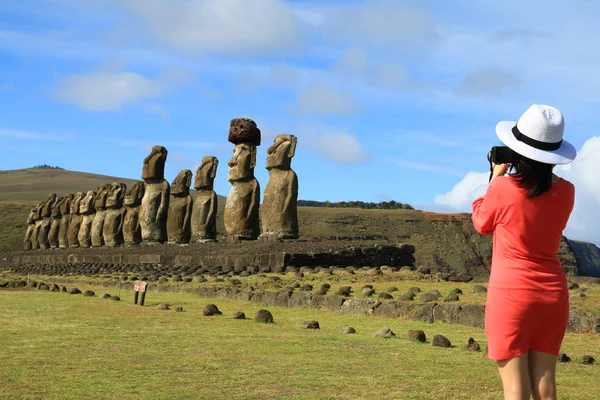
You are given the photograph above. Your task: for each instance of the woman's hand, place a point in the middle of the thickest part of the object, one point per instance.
(499, 169)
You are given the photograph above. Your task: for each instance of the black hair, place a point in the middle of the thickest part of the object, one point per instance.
(533, 175)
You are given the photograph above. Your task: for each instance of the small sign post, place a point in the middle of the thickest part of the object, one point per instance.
(140, 286)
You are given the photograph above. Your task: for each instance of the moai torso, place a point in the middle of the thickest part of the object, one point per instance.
(180, 209)
(46, 215)
(87, 210)
(243, 202)
(279, 211)
(75, 222)
(155, 203)
(65, 211)
(30, 228)
(55, 225)
(37, 226)
(98, 222)
(204, 214)
(112, 231)
(132, 233)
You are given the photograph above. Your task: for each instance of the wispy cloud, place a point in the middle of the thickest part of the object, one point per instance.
(154, 108)
(421, 166)
(27, 135)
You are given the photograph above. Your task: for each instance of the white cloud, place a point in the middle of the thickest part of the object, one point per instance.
(423, 166)
(220, 25)
(154, 108)
(323, 99)
(337, 146)
(582, 172)
(488, 80)
(353, 61)
(283, 74)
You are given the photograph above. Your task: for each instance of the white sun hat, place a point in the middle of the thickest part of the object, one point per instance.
(538, 135)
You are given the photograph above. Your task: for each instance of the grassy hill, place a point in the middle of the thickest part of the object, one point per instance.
(446, 241)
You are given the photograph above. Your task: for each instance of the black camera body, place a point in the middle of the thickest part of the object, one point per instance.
(500, 155)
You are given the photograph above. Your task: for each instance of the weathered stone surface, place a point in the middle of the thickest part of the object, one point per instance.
(89, 293)
(300, 300)
(46, 215)
(385, 296)
(279, 210)
(155, 203)
(30, 229)
(180, 209)
(210, 310)
(330, 303)
(417, 335)
(447, 313)
(472, 345)
(384, 333)
(96, 236)
(264, 316)
(87, 210)
(244, 130)
(408, 296)
(360, 306)
(74, 291)
(149, 259)
(347, 330)
(105, 296)
(472, 315)
(451, 298)
(396, 309)
(65, 211)
(55, 223)
(596, 327)
(441, 341)
(587, 360)
(564, 358)
(425, 313)
(239, 315)
(428, 297)
(75, 221)
(204, 214)
(163, 306)
(132, 232)
(242, 206)
(479, 289)
(579, 322)
(37, 225)
(112, 229)
(310, 325)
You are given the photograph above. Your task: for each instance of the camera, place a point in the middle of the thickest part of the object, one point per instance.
(500, 155)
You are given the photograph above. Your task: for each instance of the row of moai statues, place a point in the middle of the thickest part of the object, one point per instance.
(154, 212)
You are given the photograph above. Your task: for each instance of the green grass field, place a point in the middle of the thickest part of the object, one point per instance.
(61, 346)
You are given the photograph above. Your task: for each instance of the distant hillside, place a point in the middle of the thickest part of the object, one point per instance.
(447, 242)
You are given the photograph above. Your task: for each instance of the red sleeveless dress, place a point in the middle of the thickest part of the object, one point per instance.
(527, 306)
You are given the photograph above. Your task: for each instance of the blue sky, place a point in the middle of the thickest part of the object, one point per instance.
(390, 99)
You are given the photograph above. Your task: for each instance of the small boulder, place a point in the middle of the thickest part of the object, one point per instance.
(43, 287)
(417, 335)
(367, 287)
(162, 307)
(424, 270)
(385, 296)
(456, 291)
(55, 288)
(472, 345)
(408, 296)
(344, 291)
(414, 289)
(116, 298)
(434, 292)
(451, 297)
(89, 293)
(74, 291)
(587, 360)
(573, 285)
(179, 309)
(239, 315)
(368, 292)
(210, 310)
(264, 316)
(105, 296)
(441, 341)
(427, 297)
(64, 289)
(310, 325)
(564, 358)
(384, 333)
(326, 286)
(392, 289)
(347, 330)
(478, 289)
(306, 288)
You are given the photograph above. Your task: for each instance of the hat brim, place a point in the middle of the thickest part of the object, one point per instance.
(564, 155)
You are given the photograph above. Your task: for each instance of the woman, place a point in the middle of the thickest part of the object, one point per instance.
(527, 307)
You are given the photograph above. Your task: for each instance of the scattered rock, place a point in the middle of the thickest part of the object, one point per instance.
(368, 292)
(74, 291)
(310, 325)
(424, 270)
(264, 316)
(580, 295)
(384, 333)
(417, 335)
(347, 330)
(345, 291)
(359, 306)
(210, 310)
(441, 341)
(4, 284)
(478, 289)
(392, 289)
(408, 296)
(64, 289)
(89, 293)
(587, 360)
(116, 298)
(427, 297)
(436, 293)
(55, 288)
(385, 296)
(472, 345)
(105, 296)
(564, 358)
(43, 287)
(579, 322)
(456, 291)
(451, 297)
(573, 285)
(414, 289)
(162, 307)
(179, 309)
(239, 315)
(306, 288)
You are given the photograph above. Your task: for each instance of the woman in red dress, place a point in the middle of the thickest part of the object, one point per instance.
(527, 308)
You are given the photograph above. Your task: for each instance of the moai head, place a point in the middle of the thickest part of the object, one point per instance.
(154, 165)
(115, 196)
(100, 202)
(206, 173)
(47, 206)
(76, 203)
(86, 206)
(280, 154)
(134, 195)
(241, 165)
(65, 204)
(181, 184)
(31, 216)
(244, 130)
(56, 207)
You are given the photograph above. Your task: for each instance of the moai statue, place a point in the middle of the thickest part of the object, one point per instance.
(132, 233)
(55, 225)
(65, 212)
(75, 222)
(87, 210)
(46, 215)
(155, 203)
(242, 205)
(37, 226)
(180, 209)
(98, 222)
(279, 210)
(30, 229)
(112, 231)
(204, 214)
